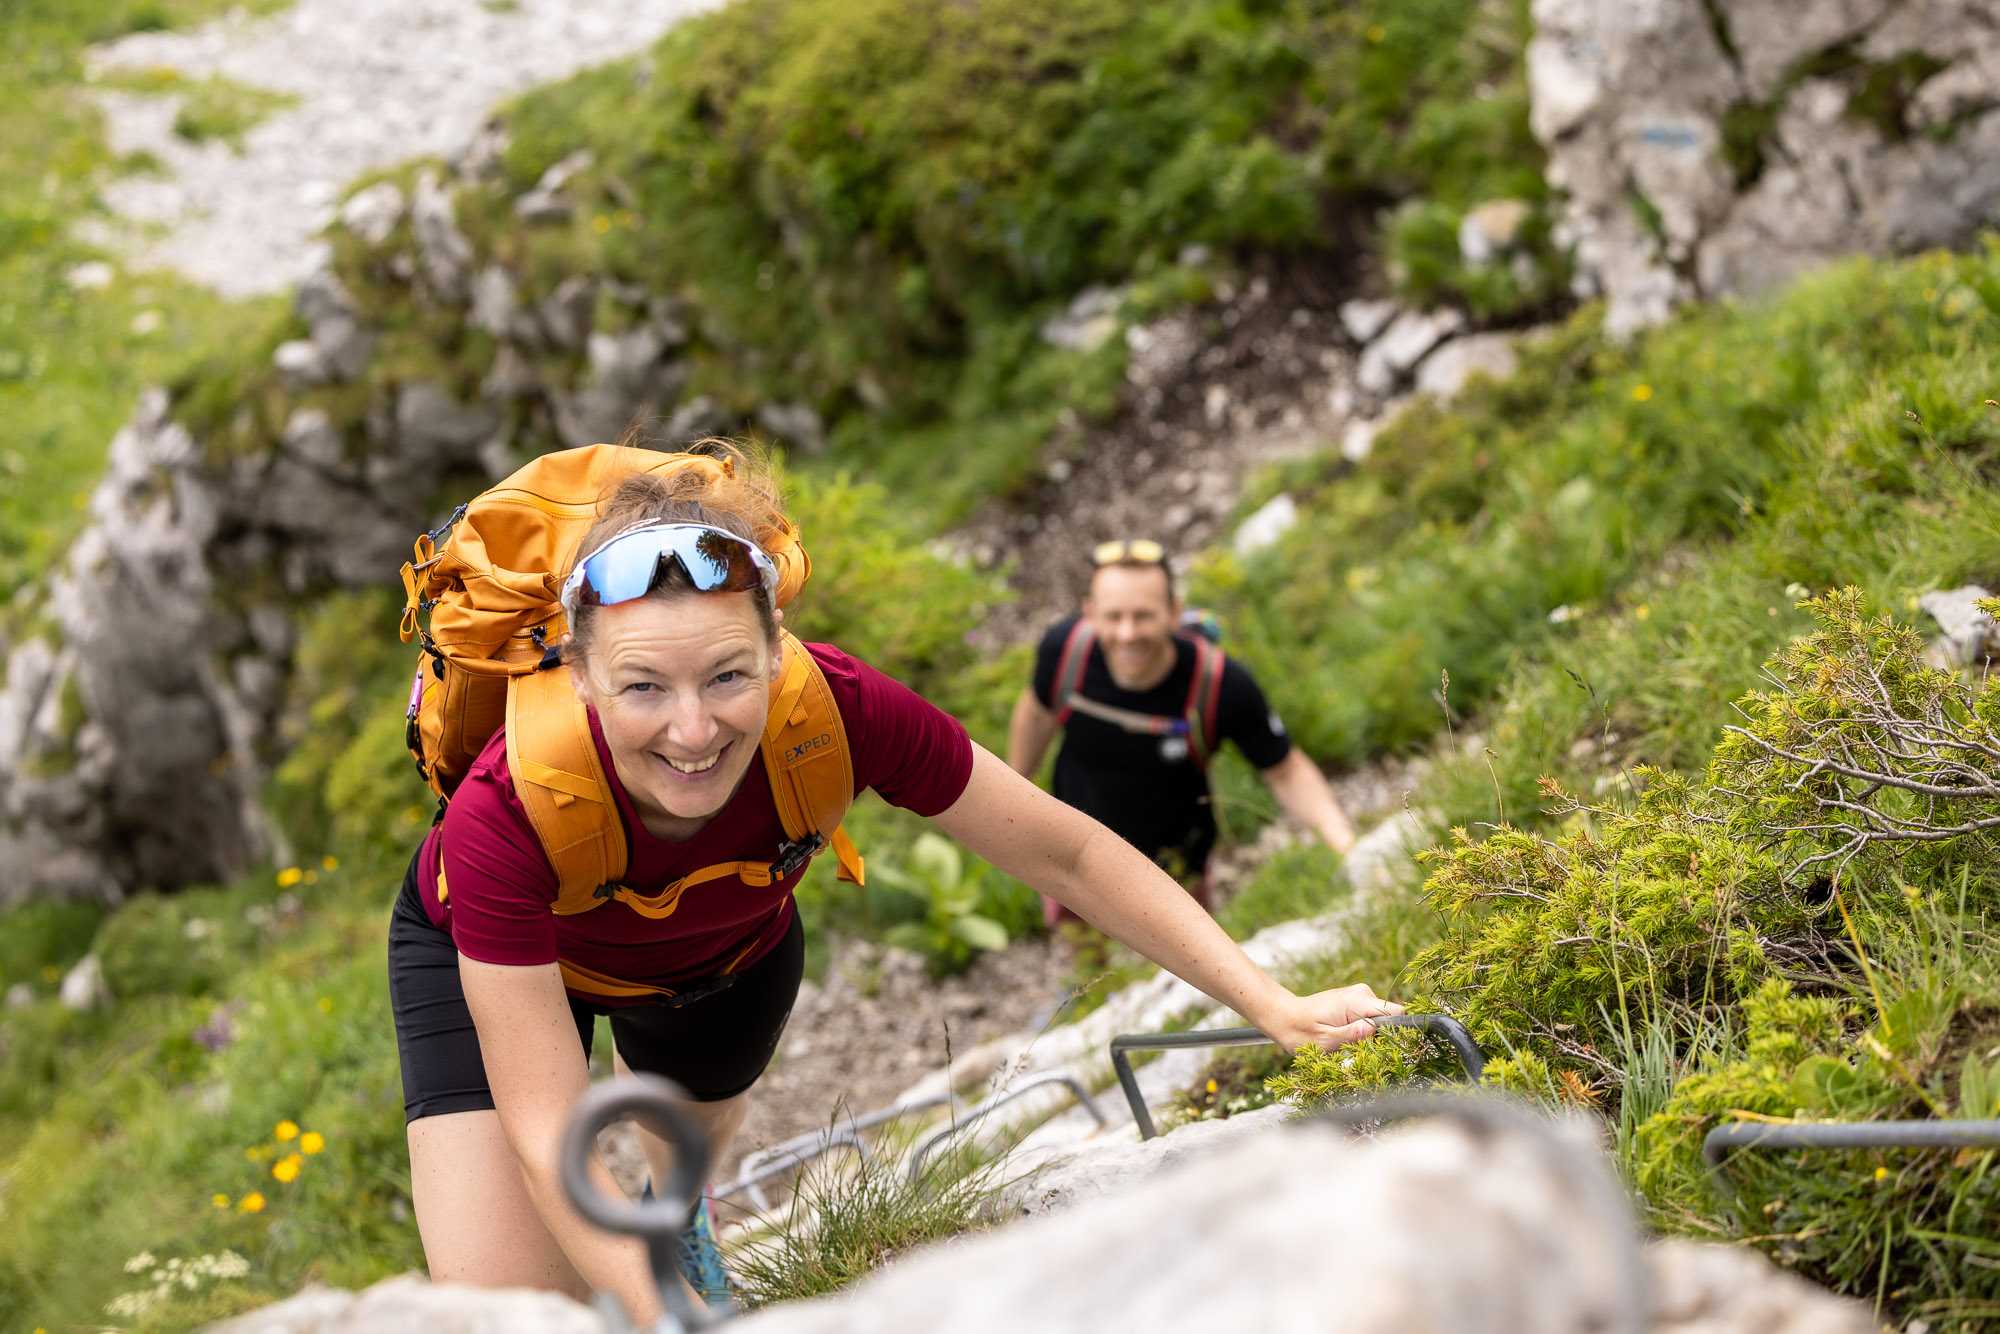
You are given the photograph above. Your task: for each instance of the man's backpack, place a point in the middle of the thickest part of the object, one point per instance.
(481, 597)
(1197, 720)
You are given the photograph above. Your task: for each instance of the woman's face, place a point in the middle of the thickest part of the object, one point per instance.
(681, 685)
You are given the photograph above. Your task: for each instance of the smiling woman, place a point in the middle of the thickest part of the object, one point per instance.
(724, 751)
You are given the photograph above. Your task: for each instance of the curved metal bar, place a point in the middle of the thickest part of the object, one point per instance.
(1470, 1058)
(661, 1107)
(1583, 1168)
(1845, 1135)
(995, 1103)
(1125, 1043)
(776, 1165)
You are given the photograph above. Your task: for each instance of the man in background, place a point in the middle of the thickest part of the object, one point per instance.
(1143, 704)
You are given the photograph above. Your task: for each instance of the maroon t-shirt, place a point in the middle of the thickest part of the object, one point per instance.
(501, 886)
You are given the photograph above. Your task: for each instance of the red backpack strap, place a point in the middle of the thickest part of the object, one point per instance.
(1204, 699)
(1070, 667)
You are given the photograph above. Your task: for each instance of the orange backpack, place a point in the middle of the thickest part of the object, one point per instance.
(481, 596)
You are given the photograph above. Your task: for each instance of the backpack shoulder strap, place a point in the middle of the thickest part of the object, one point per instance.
(807, 758)
(1204, 700)
(1070, 668)
(563, 787)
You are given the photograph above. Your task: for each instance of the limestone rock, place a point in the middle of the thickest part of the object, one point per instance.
(412, 1305)
(1088, 323)
(566, 312)
(1648, 102)
(1407, 340)
(1968, 631)
(20, 996)
(83, 986)
(629, 379)
(428, 418)
(329, 312)
(372, 214)
(445, 253)
(699, 417)
(1273, 519)
(546, 202)
(493, 302)
(796, 424)
(1447, 370)
(1500, 1232)
(300, 364)
(1365, 319)
(1492, 230)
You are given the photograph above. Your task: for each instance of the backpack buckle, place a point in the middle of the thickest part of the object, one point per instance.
(791, 856)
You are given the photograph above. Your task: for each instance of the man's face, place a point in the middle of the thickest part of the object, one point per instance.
(1133, 611)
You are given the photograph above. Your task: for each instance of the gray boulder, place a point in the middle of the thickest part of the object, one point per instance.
(372, 214)
(1967, 635)
(1749, 173)
(1432, 1228)
(1406, 342)
(445, 254)
(411, 1305)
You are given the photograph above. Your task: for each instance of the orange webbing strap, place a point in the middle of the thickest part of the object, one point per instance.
(593, 983)
(563, 787)
(807, 759)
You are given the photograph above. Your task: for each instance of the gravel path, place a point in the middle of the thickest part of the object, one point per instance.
(378, 82)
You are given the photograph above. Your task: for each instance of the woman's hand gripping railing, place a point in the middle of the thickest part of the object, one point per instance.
(1470, 1057)
(660, 1106)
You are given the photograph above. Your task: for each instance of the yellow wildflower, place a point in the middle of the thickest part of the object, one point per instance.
(329, 863)
(1211, 1086)
(600, 224)
(1641, 612)
(1376, 32)
(289, 877)
(311, 1142)
(1641, 393)
(253, 1203)
(1881, 1174)
(325, 1004)
(286, 1130)
(219, 1200)
(286, 1169)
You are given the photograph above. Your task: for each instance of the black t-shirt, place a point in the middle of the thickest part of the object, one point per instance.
(1148, 789)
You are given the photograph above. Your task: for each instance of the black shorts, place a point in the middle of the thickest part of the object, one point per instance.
(714, 1047)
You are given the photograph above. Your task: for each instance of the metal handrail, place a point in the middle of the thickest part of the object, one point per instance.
(1469, 1056)
(994, 1104)
(1941, 1134)
(802, 1149)
(661, 1106)
(773, 1164)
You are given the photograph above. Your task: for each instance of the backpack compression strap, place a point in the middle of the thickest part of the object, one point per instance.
(1204, 697)
(1197, 721)
(1070, 668)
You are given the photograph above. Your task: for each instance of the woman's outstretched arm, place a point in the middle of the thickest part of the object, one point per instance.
(1073, 859)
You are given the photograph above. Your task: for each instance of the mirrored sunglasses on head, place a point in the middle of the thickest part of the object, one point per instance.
(1134, 550)
(632, 564)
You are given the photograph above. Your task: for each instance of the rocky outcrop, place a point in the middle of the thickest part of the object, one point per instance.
(138, 708)
(1504, 1224)
(1714, 148)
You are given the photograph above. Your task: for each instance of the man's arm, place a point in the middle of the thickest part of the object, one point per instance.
(1029, 734)
(1302, 790)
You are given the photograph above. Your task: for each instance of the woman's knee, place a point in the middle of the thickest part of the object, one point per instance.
(477, 1220)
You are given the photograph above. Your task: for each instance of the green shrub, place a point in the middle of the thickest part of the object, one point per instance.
(182, 944)
(952, 930)
(39, 940)
(1729, 944)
